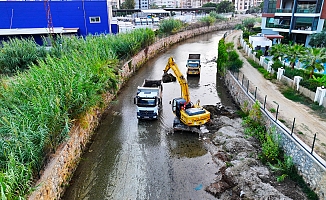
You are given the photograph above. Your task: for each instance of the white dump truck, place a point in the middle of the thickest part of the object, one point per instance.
(149, 99)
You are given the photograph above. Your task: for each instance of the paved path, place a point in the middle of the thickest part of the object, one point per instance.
(306, 121)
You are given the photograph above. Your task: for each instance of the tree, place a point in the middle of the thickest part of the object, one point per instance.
(225, 7)
(255, 9)
(128, 4)
(312, 59)
(210, 4)
(294, 52)
(154, 6)
(318, 39)
(278, 51)
(248, 23)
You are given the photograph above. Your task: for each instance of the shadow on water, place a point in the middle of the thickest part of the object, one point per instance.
(185, 145)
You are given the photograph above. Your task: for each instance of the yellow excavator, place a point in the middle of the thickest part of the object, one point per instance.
(189, 114)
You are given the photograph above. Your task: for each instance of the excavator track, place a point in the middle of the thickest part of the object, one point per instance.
(179, 126)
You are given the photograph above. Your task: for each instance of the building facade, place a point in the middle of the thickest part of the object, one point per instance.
(88, 16)
(296, 20)
(142, 4)
(244, 5)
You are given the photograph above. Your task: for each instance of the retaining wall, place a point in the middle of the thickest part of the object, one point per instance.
(308, 165)
(61, 167)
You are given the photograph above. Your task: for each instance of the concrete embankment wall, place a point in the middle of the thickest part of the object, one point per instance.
(62, 165)
(310, 166)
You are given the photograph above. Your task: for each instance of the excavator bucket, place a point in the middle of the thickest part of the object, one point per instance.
(167, 78)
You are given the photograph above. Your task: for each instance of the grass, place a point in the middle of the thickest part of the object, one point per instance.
(272, 110)
(295, 96)
(261, 69)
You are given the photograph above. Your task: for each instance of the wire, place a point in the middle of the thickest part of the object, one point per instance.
(12, 16)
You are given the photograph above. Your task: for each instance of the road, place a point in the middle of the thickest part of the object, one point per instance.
(131, 159)
(306, 122)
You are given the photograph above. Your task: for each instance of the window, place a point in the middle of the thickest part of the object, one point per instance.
(271, 7)
(270, 22)
(94, 19)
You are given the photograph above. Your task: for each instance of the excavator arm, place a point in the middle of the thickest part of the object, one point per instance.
(181, 79)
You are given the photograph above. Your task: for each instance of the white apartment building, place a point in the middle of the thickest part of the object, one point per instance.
(141, 4)
(243, 5)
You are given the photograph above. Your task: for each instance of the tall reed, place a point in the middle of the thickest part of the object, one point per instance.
(38, 106)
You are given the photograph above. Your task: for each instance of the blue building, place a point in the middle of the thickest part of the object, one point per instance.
(81, 17)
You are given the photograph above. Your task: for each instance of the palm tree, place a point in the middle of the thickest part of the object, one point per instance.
(313, 59)
(278, 51)
(294, 52)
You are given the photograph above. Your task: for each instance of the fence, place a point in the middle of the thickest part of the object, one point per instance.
(310, 165)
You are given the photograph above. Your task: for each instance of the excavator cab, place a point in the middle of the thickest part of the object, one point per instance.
(177, 105)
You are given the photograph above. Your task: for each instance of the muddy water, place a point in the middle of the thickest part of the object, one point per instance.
(131, 159)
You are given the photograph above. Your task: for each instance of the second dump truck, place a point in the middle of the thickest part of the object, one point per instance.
(149, 99)
(193, 64)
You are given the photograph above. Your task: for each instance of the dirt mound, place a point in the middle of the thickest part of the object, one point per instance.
(219, 109)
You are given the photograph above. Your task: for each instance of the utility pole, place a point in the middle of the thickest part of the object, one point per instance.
(48, 16)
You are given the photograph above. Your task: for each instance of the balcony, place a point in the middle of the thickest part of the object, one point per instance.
(281, 26)
(306, 8)
(279, 10)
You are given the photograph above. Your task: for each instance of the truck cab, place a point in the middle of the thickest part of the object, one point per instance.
(149, 99)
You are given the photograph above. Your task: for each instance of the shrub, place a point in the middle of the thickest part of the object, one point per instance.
(235, 65)
(170, 26)
(277, 64)
(270, 148)
(246, 35)
(208, 20)
(259, 53)
(233, 55)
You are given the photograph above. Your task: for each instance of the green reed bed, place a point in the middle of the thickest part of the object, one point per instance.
(17, 54)
(37, 106)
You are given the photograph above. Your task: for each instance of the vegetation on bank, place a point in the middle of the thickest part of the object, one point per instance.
(38, 106)
(227, 58)
(271, 152)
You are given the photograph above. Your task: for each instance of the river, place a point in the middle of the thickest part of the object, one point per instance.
(131, 159)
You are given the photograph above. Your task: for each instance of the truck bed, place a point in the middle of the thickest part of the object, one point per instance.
(152, 83)
(194, 56)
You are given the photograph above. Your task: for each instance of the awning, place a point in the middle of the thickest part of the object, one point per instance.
(36, 31)
(274, 36)
(154, 11)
